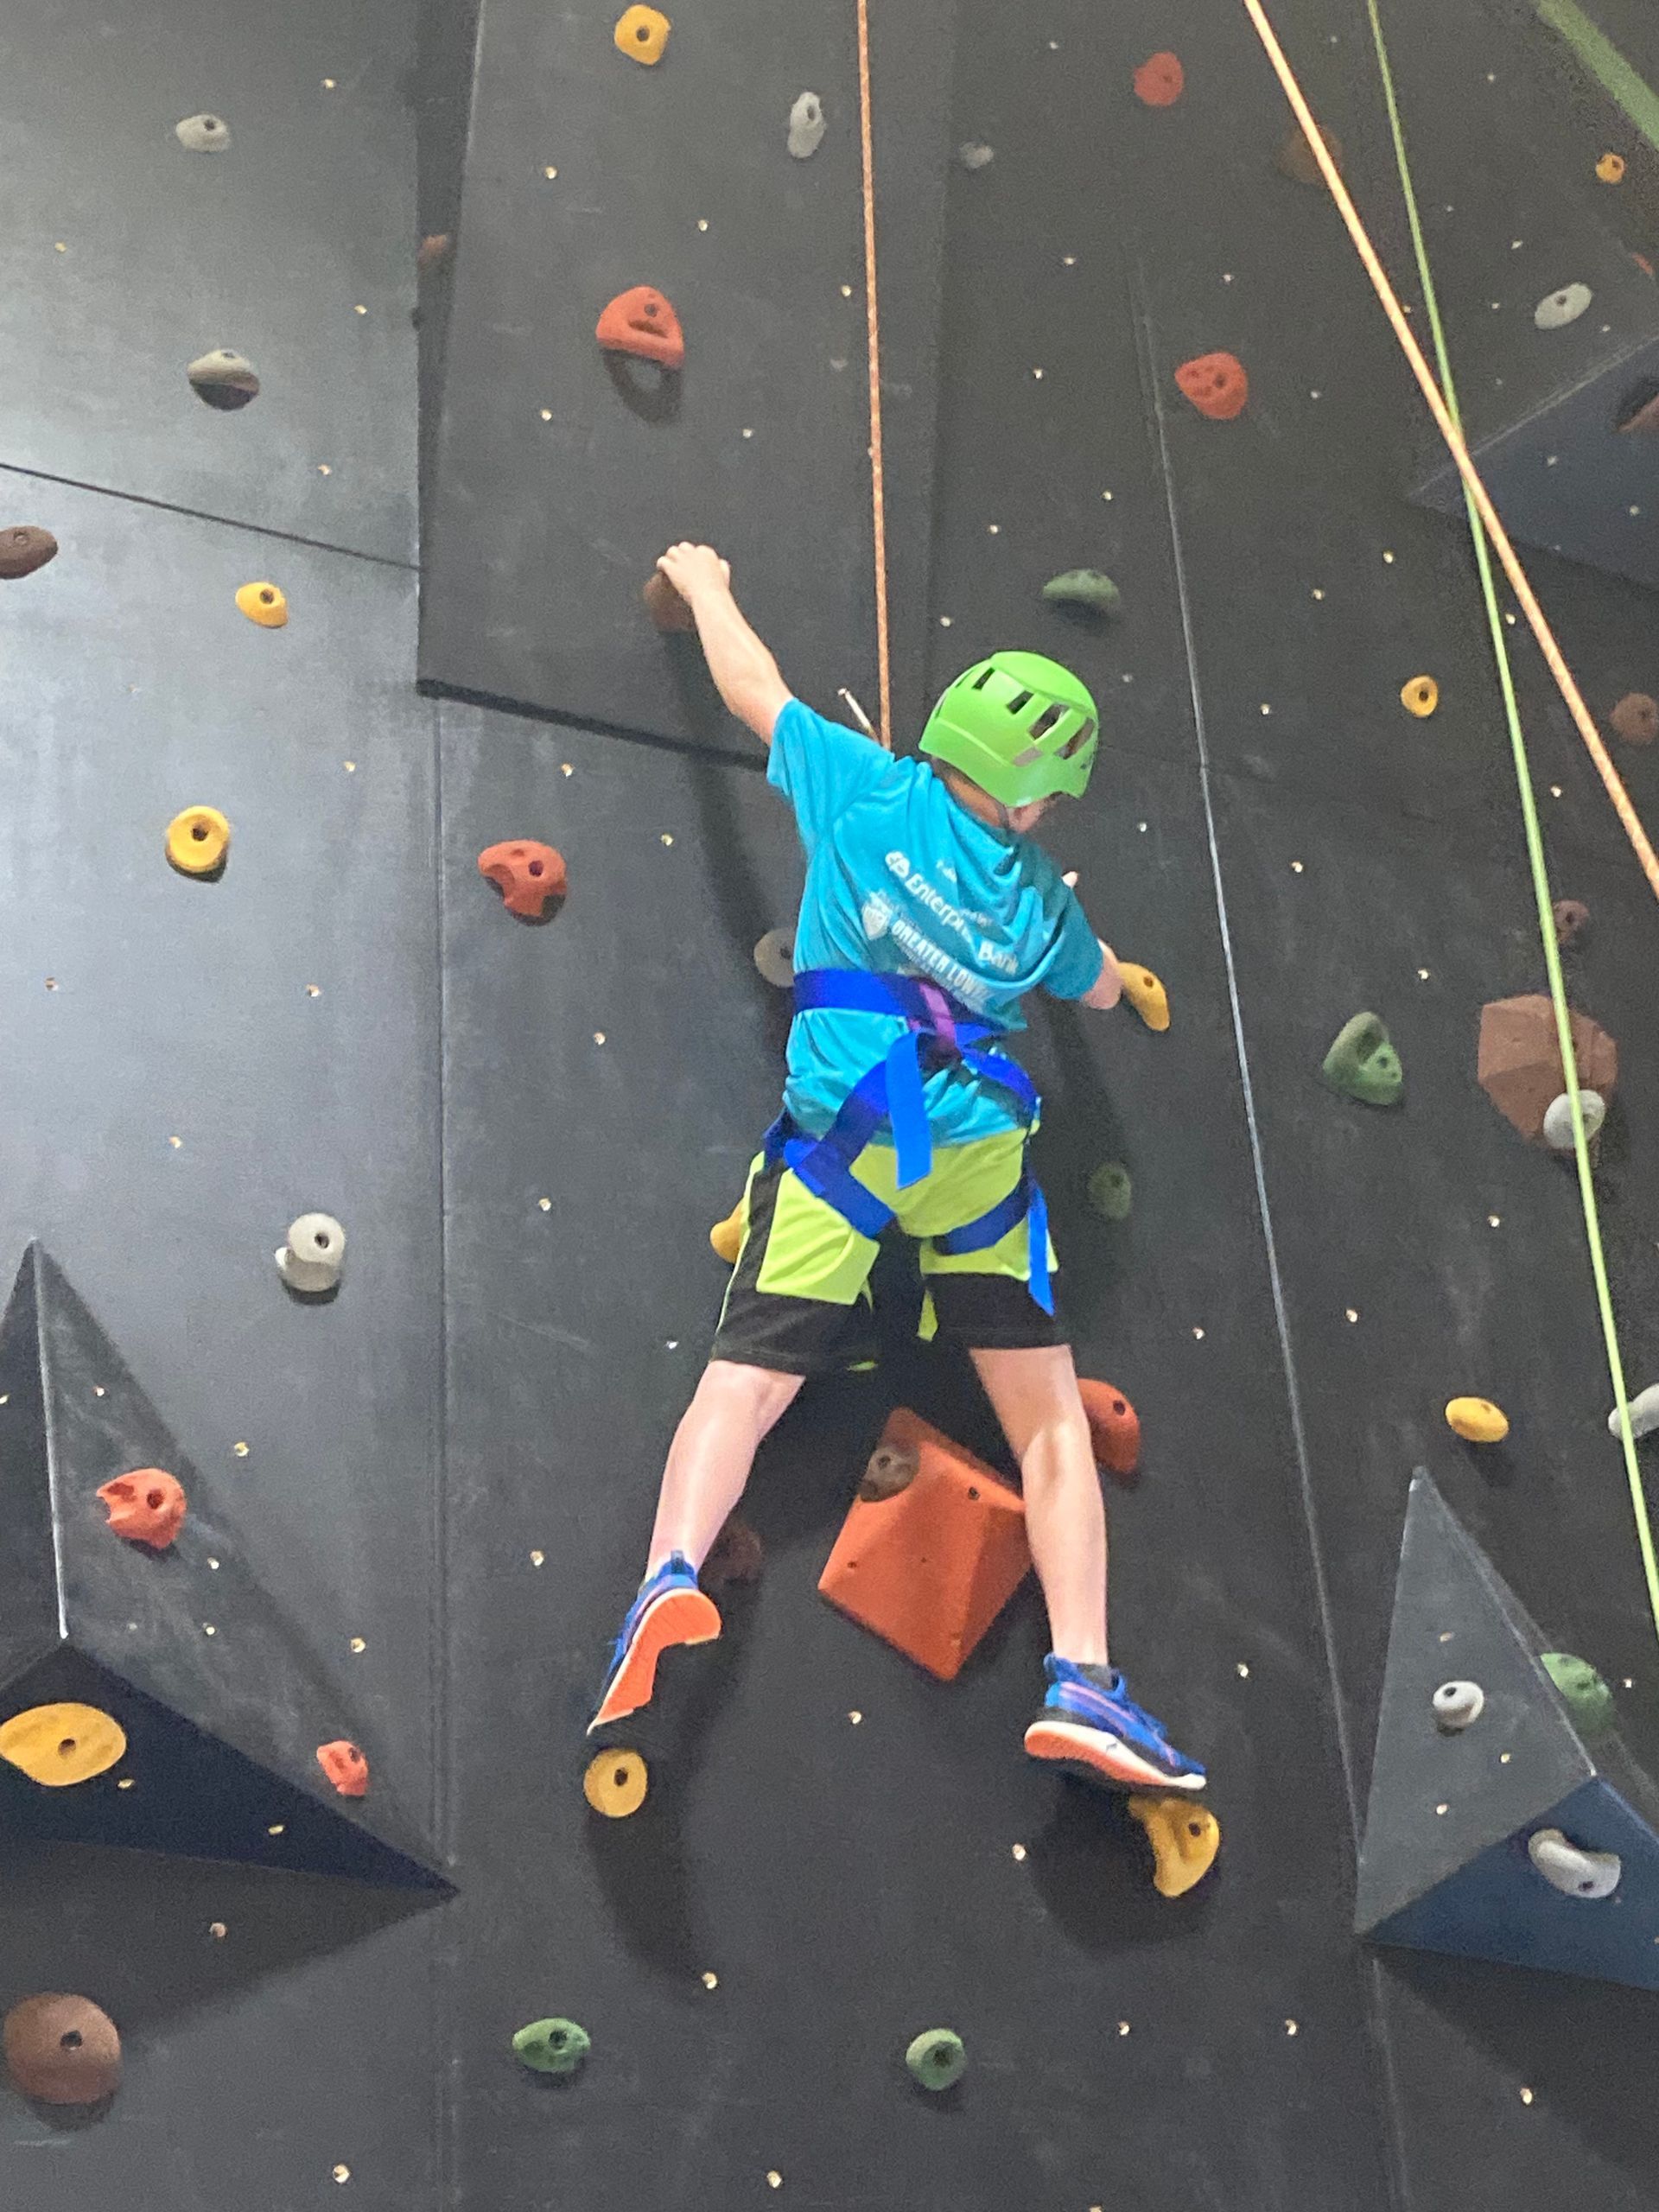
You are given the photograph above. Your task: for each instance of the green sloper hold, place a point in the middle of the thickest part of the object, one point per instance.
(1587, 1696)
(1361, 1064)
(1111, 1192)
(937, 2059)
(552, 2046)
(1083, 587)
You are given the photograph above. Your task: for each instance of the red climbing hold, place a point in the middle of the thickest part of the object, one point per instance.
(1216, 384)
(146, 1507)
(643, 322)
(527, 875)
(1113, 1428)
(345, 1767)
(1160, 80)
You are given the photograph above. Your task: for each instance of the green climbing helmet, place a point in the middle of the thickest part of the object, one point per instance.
(1019, 726)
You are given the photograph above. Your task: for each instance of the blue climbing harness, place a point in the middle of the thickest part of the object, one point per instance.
(940, 1032)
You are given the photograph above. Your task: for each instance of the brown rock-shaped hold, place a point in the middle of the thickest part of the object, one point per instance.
(1572, 919)
(735, 1558)
(642, 321)
(432, 250)
(1216, 384)
(345, 1766)
(526, 875)
(62, 2051)
(25, 547)
(1520, 1060)
(668, 608)
(1635, 718)
(1294, 158)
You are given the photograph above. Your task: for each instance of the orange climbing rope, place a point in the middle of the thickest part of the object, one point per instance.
(1448, 429)
(873, 324)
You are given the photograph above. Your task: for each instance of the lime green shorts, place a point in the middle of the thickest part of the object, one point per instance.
(799, 1300)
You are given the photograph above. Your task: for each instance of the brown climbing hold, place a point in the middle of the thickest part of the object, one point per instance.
(1295, 158)
(1160, 80)
(1519, 1065)
(642, 322)
(1643, 420)
(432, 250)
(146, 1507)
(223, 380)
(1113, 1428)
(1572, 919)
(668, 608)
(1216, 384)
(735, 1559)
(25, 547)
(345, 1767)
(526, 875)
(1635, 718)
(62, 2051)
(929, 1568)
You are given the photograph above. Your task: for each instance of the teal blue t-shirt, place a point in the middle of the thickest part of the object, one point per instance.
(901, 880)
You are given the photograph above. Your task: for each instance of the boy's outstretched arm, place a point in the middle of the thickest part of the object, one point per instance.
(745, 675)
(1108, 986)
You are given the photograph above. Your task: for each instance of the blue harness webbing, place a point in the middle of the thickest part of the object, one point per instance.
(941, 1032)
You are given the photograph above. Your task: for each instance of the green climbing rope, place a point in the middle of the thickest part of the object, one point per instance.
(1553, 11)
(1604, 62)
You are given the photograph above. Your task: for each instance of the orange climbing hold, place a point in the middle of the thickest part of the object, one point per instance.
(1113, 1428)
(642, 35)
(929, 1567)
(1611, 168)
(642, 322)
(147, 1506)
(1160, 80)
(1216, 384)
(345, 1767)
(526, 875)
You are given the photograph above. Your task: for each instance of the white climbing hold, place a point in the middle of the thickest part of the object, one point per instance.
(774, 955)
(974, 158)
(1645, 1414)
(203, 134)
(1459, 1705)
(1556, 309)
(311, 1259)
(1558, 1118)
(806, 126)
(1575, 1873)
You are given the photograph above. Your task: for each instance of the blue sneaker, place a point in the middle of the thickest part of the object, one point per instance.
(1090, 1726)
(670, 1610)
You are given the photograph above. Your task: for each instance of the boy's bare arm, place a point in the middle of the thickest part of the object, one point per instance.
(1108, 986)
(745, 674)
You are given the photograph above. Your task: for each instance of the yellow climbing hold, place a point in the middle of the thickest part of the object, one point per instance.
(1421, 697)
(726, 1236)
(198, 840)
(1477, 1420)
(1145, 995)
(1185, 1839)
(1611, 168)
(615, 1783)
(264, 604)
(58, 1745)
(642, 35)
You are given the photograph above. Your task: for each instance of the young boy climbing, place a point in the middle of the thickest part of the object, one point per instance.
(927, 916)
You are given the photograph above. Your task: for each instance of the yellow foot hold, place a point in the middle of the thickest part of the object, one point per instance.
(1477, 1420)
(1145, 995)
(726, 1236)
(615, 1783)
(58, 1745)
(642, 34)
(1185, 1839)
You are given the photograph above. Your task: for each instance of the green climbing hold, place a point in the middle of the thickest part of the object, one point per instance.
(1361, 1064)
(552, 2046)
(1586, 1695)
(937, 2059)
(1083, 587)
(1111, 1192)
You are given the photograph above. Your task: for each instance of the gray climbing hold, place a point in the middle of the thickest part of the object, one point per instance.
(1556, 309)
(315, 1251)
(203, 134)
(223, 380)
(1086, 588)
(1558, 1118)
(806, 126)
(891, 1468)
(937, 2059)
(1575, 1873)
(1645, 1414)
(1458, 1706)
(974, 158)
(774, 955)
(552, 2046)
(1111, 1193)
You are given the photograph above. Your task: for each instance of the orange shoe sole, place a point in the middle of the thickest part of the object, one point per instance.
(677, 1616)
(1100, 1757)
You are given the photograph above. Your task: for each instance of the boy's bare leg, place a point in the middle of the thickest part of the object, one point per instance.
(713, 1451)
(1034, 1394)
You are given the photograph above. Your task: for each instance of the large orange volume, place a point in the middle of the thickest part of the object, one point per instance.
(929, 1568)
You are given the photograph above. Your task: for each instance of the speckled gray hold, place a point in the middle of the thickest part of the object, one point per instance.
(974, 158)
(1556, 309)
(203, 134)
(1558, 1119)
(223, 380)
(806, 126)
